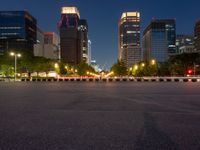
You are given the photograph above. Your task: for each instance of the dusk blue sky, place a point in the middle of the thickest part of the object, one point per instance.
(103, 16)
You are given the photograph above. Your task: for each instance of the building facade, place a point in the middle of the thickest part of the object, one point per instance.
(159, 40)
(184, 44)
(47, 45)
(129, 38)
(83, 29)
(18, 31)
(70, 37)
(197, 36)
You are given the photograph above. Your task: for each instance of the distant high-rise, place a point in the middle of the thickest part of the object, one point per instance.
(18, 31)
(89, 52)
(197, 36)
(184, 44)
(129, 38)
(83, 29)
(70, 37)
(159, 40)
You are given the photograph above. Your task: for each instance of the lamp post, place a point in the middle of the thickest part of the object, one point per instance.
(16, 56)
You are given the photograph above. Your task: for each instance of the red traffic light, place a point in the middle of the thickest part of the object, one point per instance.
(190, 71)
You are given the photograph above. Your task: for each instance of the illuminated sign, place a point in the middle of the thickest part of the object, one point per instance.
(70, 10)
(130, 14)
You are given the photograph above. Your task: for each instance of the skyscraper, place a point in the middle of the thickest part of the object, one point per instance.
(70, 37)
(159, 40)
(197, 36)
(129, 38)
(18, 31)
(83, 29)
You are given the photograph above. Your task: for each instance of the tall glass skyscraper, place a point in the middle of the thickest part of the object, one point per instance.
(18, 31)
(159, 40)
(129, 38)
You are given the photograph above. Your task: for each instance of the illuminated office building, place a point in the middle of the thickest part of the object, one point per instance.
(70, 37)
(18, 31)
(73, 36)
(159, 40)
(129, 38)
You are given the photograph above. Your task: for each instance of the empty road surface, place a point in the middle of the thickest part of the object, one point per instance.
(99, 116)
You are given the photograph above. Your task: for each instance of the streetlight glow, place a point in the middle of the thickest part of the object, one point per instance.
(143, 64)
(153, 62)
(136, 67)
(56, 65)
(15, 55)
(12, 54)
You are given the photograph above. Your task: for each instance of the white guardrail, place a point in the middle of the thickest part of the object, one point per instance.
(109, 79)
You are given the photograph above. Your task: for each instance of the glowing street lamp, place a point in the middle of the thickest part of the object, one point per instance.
(56, 65)
(143, 64)
(153, 62)
(136, 67)
(16, 56)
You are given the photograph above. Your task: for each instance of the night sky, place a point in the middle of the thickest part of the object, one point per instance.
(103, 16)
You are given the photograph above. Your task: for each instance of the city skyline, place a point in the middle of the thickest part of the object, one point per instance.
(107, 52)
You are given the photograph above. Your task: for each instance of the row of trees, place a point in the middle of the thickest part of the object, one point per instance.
(29, 64)
(175, 66)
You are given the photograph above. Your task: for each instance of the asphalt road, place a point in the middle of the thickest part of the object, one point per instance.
(99, 116)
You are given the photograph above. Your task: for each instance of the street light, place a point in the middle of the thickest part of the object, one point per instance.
(143, 64)
(16, 56)
(136, 67)
(56, 65)
(153, 62)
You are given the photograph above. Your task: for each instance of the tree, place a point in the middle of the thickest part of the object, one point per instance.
(7, 70)
(119, 69)
(83, 68)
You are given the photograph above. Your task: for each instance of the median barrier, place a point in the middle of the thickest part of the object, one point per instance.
(117, 79)
(44, 80)
(176, 80)
(110, 79)
(153, 80)
(72, 79)
(23, 80)
(90, 79)
(49, 80)
(66, 80)
(161, 80)
(97, 80)
(60, 80)
(169, 80)
(104, 80)
(131, 79)
(124, 79)
(194, 80)
(146, 80)
(55, 80)
(84, 79)
(185, 80)
(78, 79)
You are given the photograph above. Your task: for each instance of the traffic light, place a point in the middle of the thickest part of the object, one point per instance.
(190, 71)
